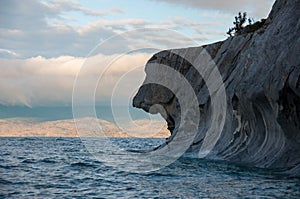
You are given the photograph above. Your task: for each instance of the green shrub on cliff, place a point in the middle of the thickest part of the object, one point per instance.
(239, 25)
(239, 22)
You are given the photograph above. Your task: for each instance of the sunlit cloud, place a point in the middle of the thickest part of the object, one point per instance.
(40, 81)
(42, 51)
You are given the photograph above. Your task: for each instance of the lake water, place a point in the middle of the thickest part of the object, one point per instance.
(63, 168)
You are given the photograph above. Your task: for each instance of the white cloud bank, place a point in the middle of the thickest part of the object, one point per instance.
(40, 81)
(39, 29)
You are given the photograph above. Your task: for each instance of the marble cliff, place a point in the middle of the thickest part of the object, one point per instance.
(260, 71)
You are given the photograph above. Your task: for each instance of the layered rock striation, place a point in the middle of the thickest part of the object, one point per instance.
(260, 72)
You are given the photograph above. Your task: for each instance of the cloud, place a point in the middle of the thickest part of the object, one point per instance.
(39, 28)
(8, 53)
(203, 31)
(41, 52)
(62, 39)
(117, 10)
(112, 25)
(40, 81)
(61, 6)
(256, 8)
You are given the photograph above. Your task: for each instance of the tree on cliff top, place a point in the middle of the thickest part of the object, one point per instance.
(240, 26)
(239, 23)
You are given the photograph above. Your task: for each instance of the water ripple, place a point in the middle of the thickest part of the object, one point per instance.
(62, 168)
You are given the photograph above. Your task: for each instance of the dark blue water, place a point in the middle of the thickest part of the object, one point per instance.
(63, 168)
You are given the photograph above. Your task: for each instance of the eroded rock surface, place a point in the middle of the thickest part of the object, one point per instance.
(261, 75)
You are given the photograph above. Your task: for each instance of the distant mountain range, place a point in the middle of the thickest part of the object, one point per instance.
(28, 127)
(20, 121)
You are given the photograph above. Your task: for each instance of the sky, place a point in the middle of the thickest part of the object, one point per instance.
(46, 44)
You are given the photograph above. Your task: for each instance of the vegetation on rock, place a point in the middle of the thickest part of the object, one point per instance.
(240, 26)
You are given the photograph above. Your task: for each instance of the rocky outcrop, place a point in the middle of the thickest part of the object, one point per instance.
(261, 75)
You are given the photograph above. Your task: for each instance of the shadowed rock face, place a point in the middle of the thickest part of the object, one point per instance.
(261, 75)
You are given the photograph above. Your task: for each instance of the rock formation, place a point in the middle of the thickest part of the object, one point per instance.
(261, 76)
